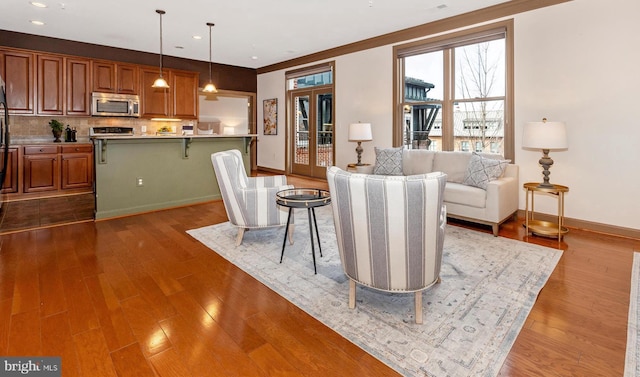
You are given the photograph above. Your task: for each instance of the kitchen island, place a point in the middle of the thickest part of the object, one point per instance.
(135, 174)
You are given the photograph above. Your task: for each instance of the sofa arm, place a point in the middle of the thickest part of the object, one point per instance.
(502, 198)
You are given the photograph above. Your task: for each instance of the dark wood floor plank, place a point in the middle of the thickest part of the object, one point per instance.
(113, 324)
(82, 316)
(5, 322)
(169, 364)
(191, 348)
(24, 334)
(93, 354)
(57, 340)
(130, 362)
(143, 321)
(228, 354)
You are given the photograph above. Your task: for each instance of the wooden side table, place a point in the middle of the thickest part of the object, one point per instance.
(545, 228)
(364, 168)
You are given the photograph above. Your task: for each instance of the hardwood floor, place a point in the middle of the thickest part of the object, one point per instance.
(137, 296)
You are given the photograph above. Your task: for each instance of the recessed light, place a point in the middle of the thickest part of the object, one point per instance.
(37, 4)
(254, 57)
(197, 37)
(35, 22)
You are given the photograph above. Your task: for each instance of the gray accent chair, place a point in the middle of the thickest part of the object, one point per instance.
(250, 202)
(390, 230)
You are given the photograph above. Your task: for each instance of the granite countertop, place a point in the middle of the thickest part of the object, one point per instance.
(169, 136)
(35, 140)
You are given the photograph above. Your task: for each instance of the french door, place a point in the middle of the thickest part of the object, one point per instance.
(311, 134)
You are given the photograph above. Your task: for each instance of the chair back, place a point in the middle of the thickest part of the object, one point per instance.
(231, 176)
(390, 229)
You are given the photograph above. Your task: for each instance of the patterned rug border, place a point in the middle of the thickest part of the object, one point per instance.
(489, 360)
(632, 353)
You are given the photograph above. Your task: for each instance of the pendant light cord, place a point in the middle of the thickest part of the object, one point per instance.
(160, 12)
(210, 26)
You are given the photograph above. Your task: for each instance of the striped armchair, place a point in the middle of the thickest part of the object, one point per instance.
(250, 202)
(390, 230)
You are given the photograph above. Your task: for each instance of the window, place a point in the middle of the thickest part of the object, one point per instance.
(455, 90)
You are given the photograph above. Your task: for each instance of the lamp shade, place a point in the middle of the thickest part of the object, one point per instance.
(545, 135)
(360, 132)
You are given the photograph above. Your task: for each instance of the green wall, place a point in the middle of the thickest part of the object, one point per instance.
(169, 178)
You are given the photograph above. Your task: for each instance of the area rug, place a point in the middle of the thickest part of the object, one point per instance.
(471, 319)
(631, 367)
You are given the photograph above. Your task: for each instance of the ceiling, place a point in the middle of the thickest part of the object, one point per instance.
(247, 33)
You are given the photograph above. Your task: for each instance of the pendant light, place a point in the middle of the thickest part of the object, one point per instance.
(210, 88)
(160, 81)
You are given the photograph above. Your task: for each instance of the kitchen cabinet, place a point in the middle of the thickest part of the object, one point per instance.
(77, 166)
(41, 171)
(10, 184)
(50, 92)
(78, 87)
(179, 101)
(17, 71)
(111, 77)
(52, 169)
(184, 86)
(126, 79)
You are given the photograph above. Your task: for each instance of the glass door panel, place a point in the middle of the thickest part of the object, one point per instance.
(311, 144)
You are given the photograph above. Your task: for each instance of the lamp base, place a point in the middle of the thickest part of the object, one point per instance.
(546, 163)
(359, 152)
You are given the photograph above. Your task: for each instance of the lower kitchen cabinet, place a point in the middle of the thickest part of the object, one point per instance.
(55, 170)
(10, 184)
(77, 166)
(41, 169)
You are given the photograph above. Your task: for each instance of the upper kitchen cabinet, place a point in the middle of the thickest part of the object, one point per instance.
(49, 73)
(179, 101)
(154, 101)
(17, 71)
(184, 86)
(111, 77)
(78, 87)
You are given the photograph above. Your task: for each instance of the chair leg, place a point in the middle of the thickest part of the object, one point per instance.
(418, 300)
(240, 235)
(352, 294)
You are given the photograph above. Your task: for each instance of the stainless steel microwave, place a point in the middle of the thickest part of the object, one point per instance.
(115, 105)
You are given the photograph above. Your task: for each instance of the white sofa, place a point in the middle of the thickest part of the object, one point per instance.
(492, 206)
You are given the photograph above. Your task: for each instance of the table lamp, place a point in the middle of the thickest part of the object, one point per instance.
(546, 136)
(360, 132)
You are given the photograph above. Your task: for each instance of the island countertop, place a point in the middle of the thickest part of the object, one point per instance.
(169, 136)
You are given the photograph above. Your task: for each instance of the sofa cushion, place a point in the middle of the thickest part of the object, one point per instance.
(418, 161)
(481, 170)
(465, 195)
(388, 161)
(453, 164)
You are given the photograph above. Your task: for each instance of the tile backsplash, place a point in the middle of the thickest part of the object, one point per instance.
(37, 127)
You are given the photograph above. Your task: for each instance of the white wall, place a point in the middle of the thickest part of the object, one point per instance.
(575, 62)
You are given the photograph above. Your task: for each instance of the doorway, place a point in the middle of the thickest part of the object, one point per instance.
(311, 135)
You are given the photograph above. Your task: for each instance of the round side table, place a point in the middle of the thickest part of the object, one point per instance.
(308, 198)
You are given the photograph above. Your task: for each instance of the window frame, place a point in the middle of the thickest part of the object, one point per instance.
(452, 40)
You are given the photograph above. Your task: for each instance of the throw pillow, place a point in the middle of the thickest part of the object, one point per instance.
(388, 161)
(481, 170)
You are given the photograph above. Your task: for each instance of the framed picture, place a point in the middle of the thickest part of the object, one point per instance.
(270, 116)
